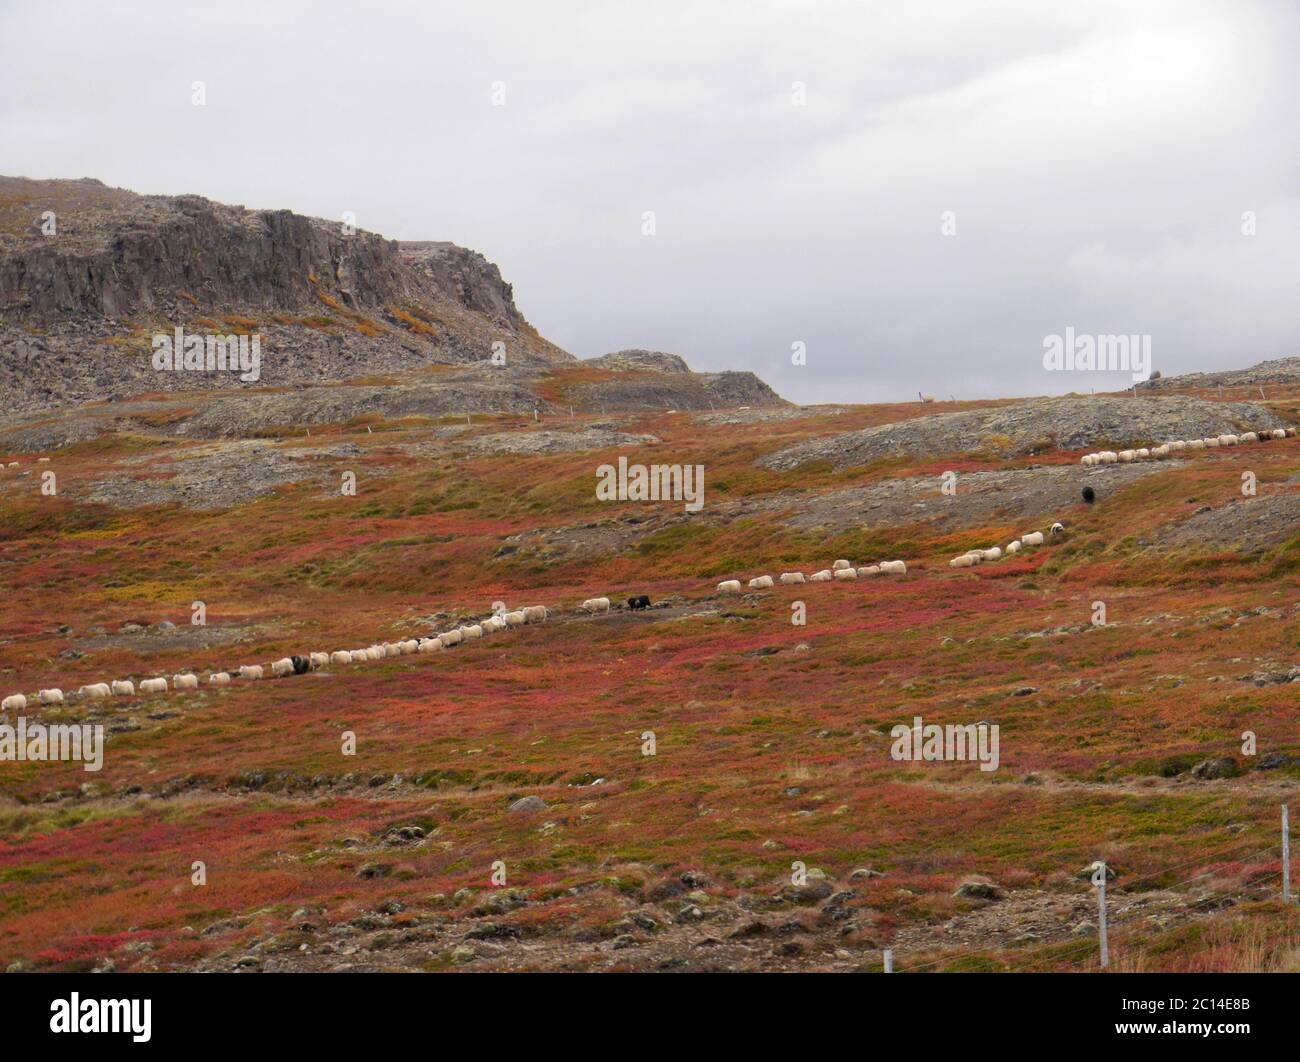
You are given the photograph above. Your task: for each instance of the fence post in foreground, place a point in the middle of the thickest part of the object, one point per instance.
(1099, 879)
(1286, 855)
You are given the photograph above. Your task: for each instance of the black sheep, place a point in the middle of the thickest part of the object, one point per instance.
(1089, 495)
(301, 664)
(640, 601)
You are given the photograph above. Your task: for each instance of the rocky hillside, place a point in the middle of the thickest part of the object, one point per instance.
(90, 274)
(1035, 426)
(650, 379)
(1277, 371)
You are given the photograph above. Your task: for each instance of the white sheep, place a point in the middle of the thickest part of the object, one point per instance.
(1013, 547)
(992, 554)
(319, 660)
(1057, 529)
(190, 682)
(411, 645)
(475, 631)
(1278, 433)
(729, 586)
(154, 685)
(515, 619)
(1229, 440)
(1177, 446)
(894, 567)
(1196, 444)
(840, 565)
(1109, 457)
(376, 652)
(450, 638)
(1290, 433)
(844, 573)
(123, 687)
(535, 614)
(51, 696)
(791, 578)
(1088, 460)
(1211, 442)
(392, 649)
(1249, 437)
(15, 702)
(823, 576)
(594, 604)
(1127, 456)
(341, 656)
(219, 678)
(1161, 451)
(761, 582)
(282, 667)
(870, 569)
(96, 691)
(963, 561)
(1034, 538)
(247, 671)
(430, 645)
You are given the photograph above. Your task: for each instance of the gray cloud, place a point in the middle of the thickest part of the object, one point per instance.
(1098, 159)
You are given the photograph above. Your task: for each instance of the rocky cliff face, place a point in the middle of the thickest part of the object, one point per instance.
(115, 254)
(89, 275)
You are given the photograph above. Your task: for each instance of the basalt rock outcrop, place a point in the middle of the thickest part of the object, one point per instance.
(90, 275)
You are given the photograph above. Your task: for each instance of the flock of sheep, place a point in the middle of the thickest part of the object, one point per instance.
(1155, 453)
(978, 556)
(841, 569)
(297, 665)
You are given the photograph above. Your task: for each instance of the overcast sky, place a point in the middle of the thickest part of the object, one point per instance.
(1097, 159)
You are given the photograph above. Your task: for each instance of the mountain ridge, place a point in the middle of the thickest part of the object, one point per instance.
(90, 275)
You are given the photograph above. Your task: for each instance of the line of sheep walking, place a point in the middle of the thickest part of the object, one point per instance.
(841, 569)
(290, 665)
(979, 556)
(1156, 453)
(504, 620)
